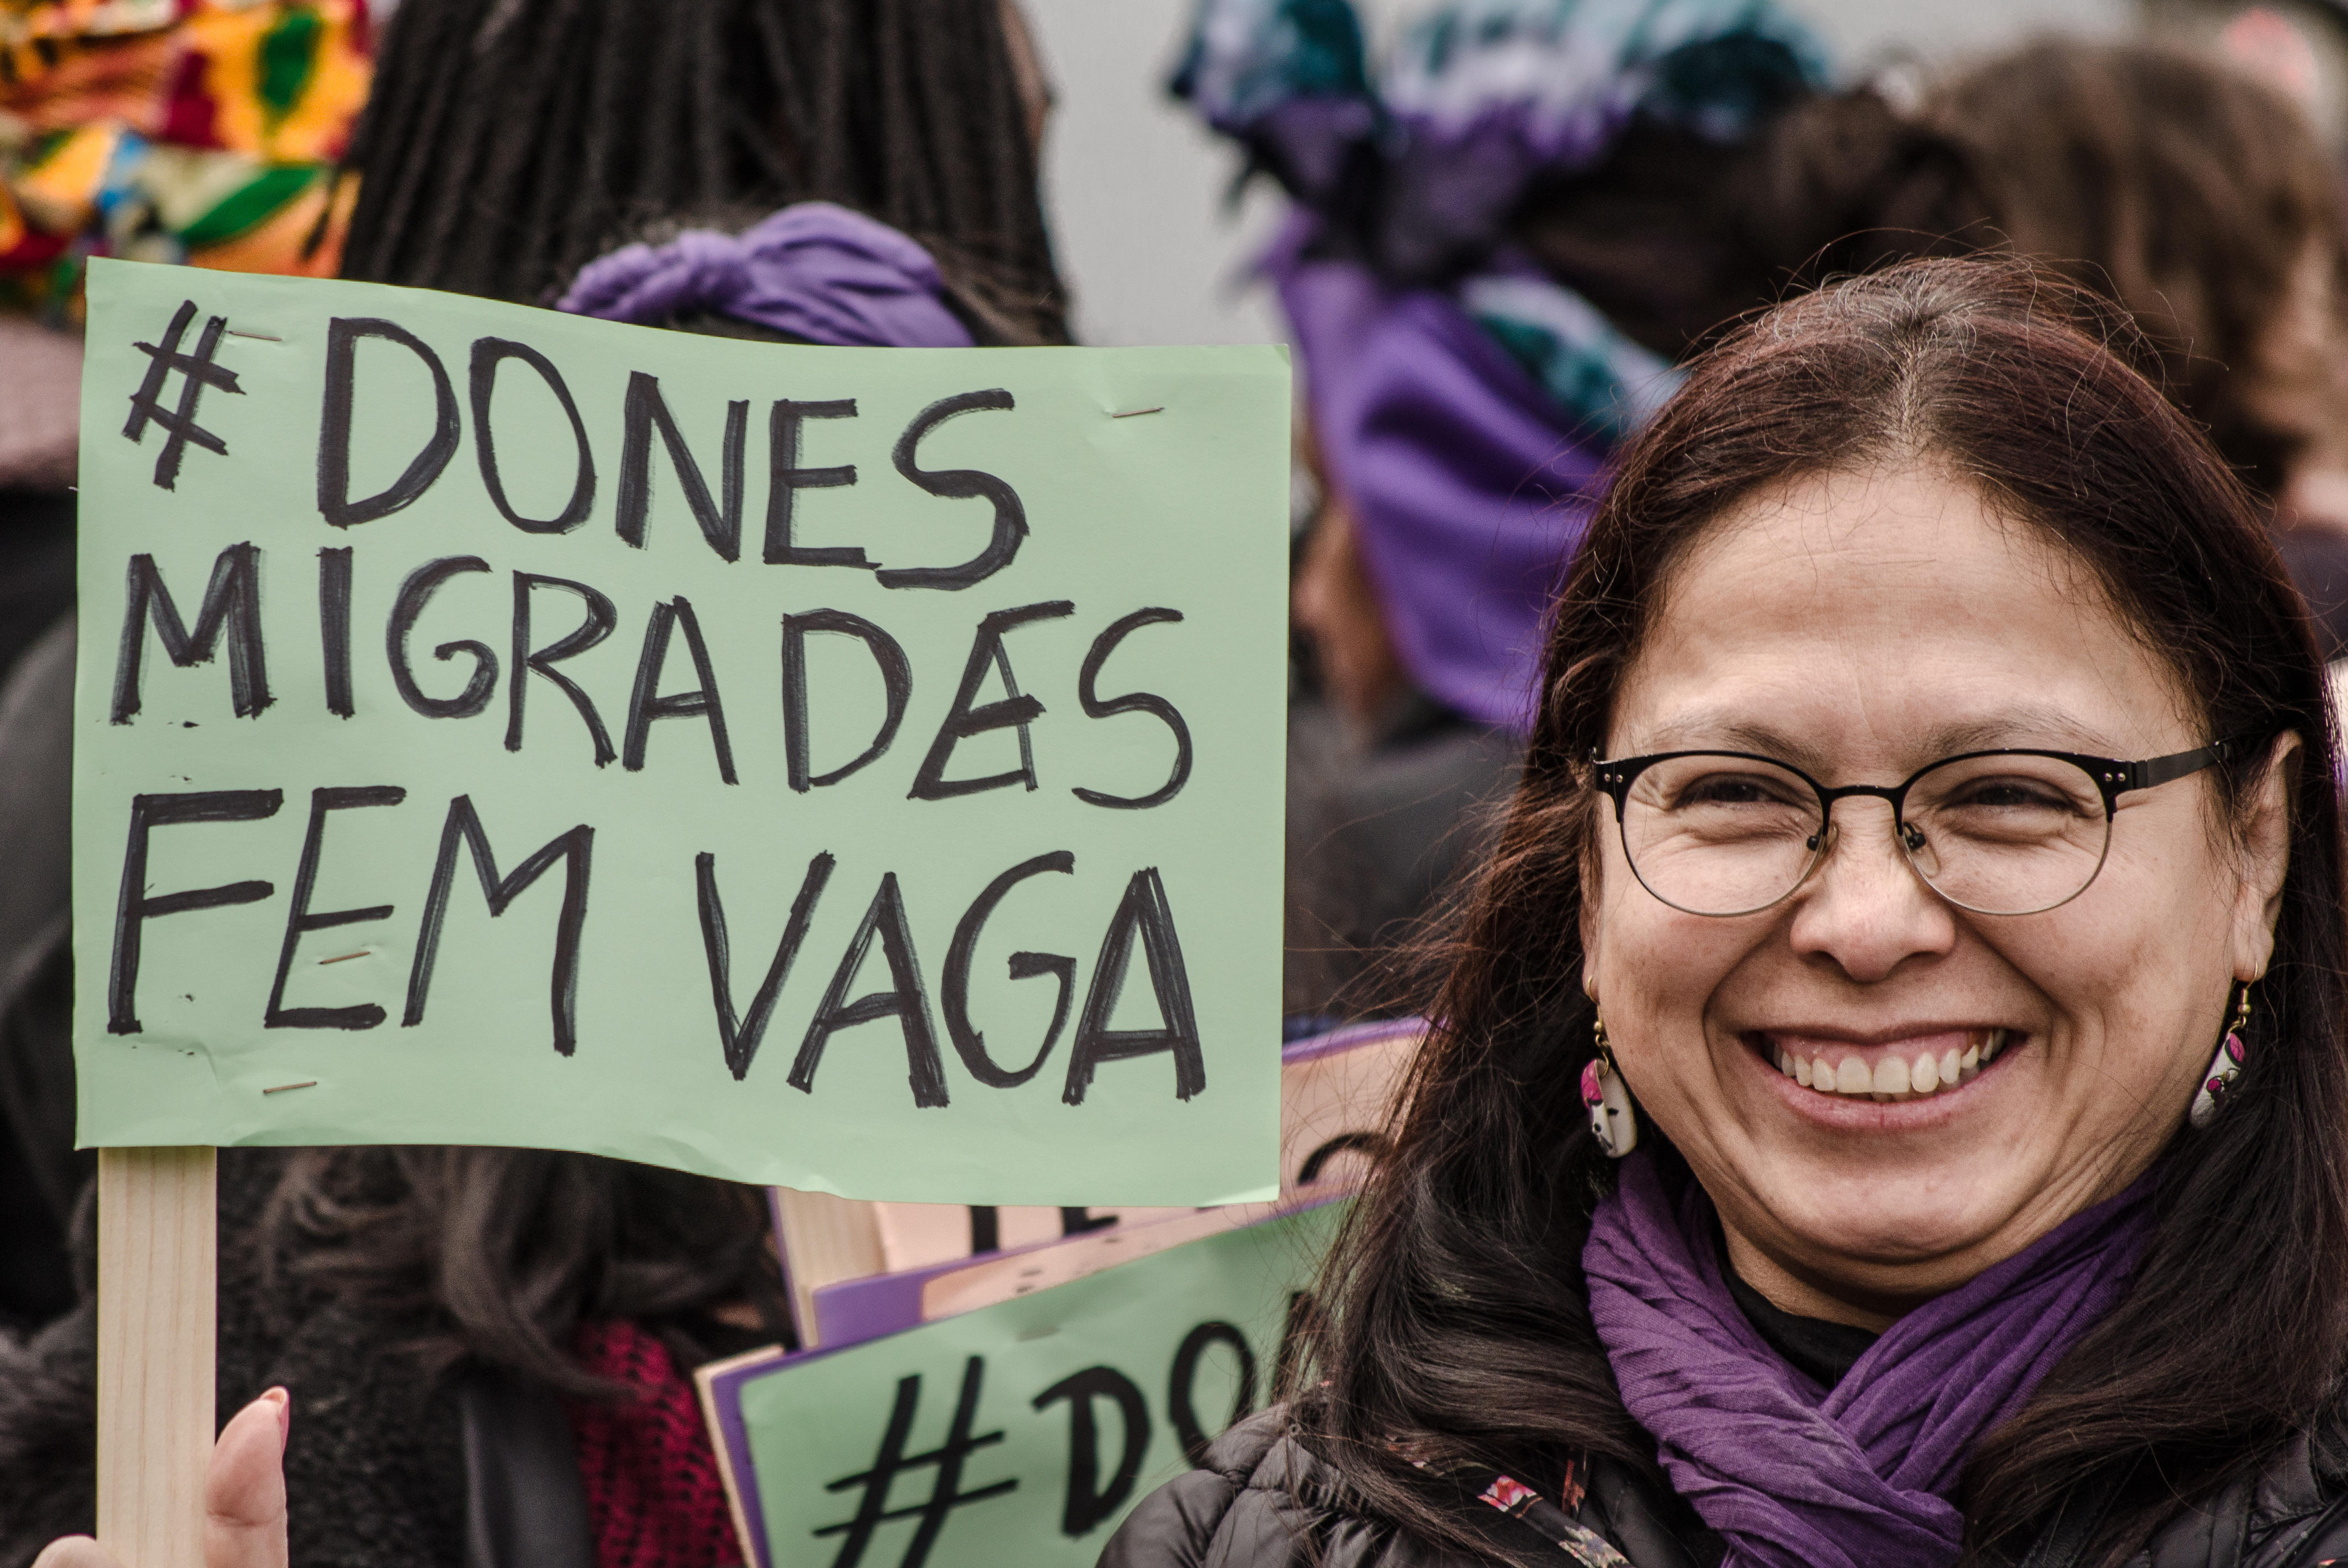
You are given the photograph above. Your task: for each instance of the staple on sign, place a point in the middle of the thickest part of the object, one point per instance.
(1137, 413)
(281, 1089)
(263, 336)
(362, 952)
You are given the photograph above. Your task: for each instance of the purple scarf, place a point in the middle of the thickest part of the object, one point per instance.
(814, 270)
(1797, 1477)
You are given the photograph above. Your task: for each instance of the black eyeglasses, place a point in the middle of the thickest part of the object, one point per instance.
(1995, 832)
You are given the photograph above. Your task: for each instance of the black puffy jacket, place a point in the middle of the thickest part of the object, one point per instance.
(1259, 1500)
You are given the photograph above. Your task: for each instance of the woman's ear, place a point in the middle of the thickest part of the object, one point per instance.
(2263, 840)
(1591, 893)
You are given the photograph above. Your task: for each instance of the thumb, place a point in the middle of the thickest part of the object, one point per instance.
(244, 1491)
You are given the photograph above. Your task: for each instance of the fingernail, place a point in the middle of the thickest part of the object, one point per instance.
(284, 1403)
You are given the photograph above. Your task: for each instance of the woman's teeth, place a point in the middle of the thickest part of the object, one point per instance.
(1896, 1076)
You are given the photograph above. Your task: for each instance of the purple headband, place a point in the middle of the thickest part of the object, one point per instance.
(814, 270)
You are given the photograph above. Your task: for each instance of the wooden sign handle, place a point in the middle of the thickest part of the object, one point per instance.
(156, 1300)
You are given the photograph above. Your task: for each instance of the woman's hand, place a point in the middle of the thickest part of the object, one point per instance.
(244, 1497)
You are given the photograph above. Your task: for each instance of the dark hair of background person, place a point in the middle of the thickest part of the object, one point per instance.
(1459, 1321)
(502, 1253)
(1675, 237)
(509, 142)
(2188, 191)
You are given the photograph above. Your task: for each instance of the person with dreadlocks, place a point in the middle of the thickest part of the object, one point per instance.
(484, 1354)
(509, 143)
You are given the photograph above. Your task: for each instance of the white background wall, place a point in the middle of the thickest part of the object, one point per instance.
(1137, 188)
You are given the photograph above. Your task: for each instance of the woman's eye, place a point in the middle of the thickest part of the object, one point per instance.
(1732, 790)
(2012, 794)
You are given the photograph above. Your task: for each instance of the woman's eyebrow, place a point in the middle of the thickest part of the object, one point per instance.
(1706, 729)
(2026, 725)
(2023, 725)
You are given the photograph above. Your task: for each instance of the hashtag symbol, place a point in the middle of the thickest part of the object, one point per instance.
(945, 1495)
(147, 403)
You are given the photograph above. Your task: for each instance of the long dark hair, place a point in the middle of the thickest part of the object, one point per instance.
(1459, 1321)
(509, 142)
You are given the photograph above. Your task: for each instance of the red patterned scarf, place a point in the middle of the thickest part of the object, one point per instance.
(653, 1496)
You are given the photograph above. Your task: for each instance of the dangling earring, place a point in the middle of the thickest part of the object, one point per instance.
(1612, 1118)
(2225, 1067)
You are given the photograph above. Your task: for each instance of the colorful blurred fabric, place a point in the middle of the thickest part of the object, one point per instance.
(176, 130)
(1465, 402)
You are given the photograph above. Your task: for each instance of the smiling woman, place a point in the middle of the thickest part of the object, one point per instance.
(1853, 949)
(1932, 779)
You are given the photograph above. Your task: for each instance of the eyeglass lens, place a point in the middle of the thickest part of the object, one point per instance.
(1718, 834)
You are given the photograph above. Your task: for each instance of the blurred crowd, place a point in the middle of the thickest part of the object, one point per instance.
(1505, 234)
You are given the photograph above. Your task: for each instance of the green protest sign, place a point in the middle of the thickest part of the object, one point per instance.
(853, 769)
(1019, 1434)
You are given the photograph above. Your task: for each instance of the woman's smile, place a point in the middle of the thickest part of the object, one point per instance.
(1842, 1085)
(1910, 1065)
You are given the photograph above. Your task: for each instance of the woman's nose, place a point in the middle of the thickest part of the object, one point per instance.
(1865, 907)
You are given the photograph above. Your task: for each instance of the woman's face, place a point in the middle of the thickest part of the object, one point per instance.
(1860, 627)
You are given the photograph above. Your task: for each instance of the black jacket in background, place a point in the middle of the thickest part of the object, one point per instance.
(1380, 829)
(375, 1469)
(41, 1176)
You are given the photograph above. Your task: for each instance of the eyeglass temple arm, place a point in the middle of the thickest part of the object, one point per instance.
(2161, 769)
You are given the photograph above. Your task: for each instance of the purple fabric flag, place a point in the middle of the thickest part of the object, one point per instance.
(814, 270)
(1464, 402)
(1466, 552)
(1794, 1476)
